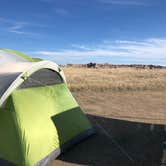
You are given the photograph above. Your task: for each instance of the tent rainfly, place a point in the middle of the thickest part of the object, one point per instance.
(39, 118)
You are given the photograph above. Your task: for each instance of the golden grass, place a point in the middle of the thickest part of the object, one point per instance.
(119, 79)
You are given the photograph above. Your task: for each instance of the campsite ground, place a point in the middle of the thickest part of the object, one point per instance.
(128, 110)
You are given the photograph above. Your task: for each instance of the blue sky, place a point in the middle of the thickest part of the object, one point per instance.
(80, 31)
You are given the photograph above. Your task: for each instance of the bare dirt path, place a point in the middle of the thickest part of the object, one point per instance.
(141, 106)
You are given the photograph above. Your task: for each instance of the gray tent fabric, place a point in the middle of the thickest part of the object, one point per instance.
(7, 58)
(11, 66)
(5, 81)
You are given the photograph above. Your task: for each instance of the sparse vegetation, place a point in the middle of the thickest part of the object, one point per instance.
(119, 79)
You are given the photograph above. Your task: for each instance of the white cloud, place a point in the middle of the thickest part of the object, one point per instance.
(81, 47)
(154, 48)
(75, 53)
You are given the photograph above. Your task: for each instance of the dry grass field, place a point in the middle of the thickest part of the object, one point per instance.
(127, 107)
(120, 79)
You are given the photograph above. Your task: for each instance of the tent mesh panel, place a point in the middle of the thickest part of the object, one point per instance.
(42, 77)
(5, 81)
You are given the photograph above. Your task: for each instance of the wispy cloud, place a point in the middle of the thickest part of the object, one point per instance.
(148, 49)
(81, 47)
(124, 2)
(17, 27)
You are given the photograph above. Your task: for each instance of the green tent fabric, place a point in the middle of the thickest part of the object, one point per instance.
(39, 117)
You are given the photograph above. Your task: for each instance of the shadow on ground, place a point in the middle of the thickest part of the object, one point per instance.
(119, 143)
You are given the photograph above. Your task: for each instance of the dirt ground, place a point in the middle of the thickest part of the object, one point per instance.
(130, 130)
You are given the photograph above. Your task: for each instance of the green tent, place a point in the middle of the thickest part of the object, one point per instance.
(39, 118)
